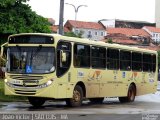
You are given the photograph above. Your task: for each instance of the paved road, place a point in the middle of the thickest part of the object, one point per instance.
(143, 107)
(108, 107)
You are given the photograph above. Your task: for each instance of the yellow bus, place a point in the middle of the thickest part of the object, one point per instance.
(50, 66)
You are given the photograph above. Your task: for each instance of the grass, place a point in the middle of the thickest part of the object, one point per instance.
(9, 98)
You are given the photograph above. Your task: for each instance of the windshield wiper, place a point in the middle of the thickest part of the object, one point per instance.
(37, 50)
(21, 56)
(35, 53)
(19, 49)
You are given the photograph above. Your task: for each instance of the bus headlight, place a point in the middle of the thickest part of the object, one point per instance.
(48, 83)
(5, 80)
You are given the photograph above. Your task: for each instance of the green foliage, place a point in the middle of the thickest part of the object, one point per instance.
(17, 17)
(109, 40)
(5, 3)
(72, 34)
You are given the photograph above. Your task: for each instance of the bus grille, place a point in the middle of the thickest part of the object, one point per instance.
(26, 77)
(25, 85)
(31, 82)
(25, 92)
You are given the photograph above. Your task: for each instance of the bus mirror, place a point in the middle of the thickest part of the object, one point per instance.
(3, 69)
(3, 51)
(63, 56)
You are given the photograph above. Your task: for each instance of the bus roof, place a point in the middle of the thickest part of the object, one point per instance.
(90, 42)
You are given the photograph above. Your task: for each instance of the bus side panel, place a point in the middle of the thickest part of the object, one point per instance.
(111, 84)
(90, 77)
(148, 84)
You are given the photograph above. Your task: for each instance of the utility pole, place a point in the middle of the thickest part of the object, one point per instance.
(61, 31)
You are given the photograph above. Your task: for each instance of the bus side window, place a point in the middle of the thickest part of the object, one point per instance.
(147, 62)
(98, 57)
(154, 63)
(136, 61)
(63, 66)
(81, 55)
(113, 59)
(125, 60)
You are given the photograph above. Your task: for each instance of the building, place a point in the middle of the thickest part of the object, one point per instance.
(55, 29)
(154, 32)
(116, 23)
(91, 30)
(128, 36)
(51, 21)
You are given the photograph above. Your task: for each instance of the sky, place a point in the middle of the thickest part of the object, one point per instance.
(141, 10)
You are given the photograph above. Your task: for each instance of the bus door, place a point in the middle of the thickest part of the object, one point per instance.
(63, 66)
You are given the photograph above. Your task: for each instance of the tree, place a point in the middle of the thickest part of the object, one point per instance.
(17, 17)
(72, 34)
(109, 40)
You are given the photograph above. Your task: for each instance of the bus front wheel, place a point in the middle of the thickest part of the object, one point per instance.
(77, 98)
(36, 101)
(130, 96)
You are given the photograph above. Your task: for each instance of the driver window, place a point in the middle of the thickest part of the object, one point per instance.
(63, 67)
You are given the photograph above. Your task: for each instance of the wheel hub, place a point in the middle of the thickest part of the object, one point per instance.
(76, 96)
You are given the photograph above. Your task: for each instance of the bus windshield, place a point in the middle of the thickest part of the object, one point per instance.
(30, 60)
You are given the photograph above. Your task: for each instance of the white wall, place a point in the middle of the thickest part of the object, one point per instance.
(157, 13)
(108, 23)
(154, 36)
(93, 35)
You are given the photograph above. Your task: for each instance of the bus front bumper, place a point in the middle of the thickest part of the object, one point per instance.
(46, 90)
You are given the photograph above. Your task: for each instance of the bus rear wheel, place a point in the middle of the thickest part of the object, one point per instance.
(130, 96)
(77, 98)
(36, 101)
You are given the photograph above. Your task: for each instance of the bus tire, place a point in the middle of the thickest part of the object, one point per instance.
(36, 101)
(130, 95)
(96, 100)
(77, 98)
